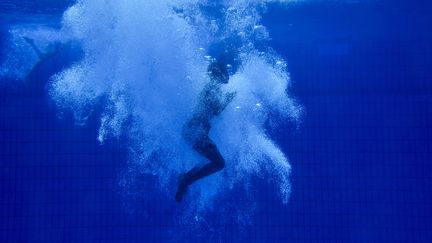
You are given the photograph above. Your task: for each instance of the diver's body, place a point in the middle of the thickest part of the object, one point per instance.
(211, 103)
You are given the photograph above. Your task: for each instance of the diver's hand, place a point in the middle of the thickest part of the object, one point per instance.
(230, 96)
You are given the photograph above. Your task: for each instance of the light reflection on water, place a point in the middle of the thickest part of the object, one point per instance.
(39, 12)
(31, 6)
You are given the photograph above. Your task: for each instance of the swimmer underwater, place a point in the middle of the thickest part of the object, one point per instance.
(212, 101)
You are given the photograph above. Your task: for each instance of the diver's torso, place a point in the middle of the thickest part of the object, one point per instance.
(209, 106)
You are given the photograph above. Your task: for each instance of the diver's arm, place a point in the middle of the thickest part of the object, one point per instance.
(35, 48)
(228, 98)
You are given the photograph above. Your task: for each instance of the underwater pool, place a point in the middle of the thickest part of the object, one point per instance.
(327, 139)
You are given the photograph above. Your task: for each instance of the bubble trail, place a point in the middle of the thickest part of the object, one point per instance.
(147, 61)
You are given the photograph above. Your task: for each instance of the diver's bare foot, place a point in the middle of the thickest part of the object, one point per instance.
(182, 188)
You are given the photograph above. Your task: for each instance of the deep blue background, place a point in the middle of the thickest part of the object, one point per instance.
(361, 158)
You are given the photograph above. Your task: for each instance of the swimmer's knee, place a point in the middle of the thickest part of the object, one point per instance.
(220, 164)
(218, 159)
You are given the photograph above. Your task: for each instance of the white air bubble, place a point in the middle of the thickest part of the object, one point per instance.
(147, 63)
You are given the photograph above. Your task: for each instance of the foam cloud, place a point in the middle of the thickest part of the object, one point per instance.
(146, 61)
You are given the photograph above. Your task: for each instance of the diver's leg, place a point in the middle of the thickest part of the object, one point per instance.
(208, 149)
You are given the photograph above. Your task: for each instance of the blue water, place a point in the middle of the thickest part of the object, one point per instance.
(355, 142)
